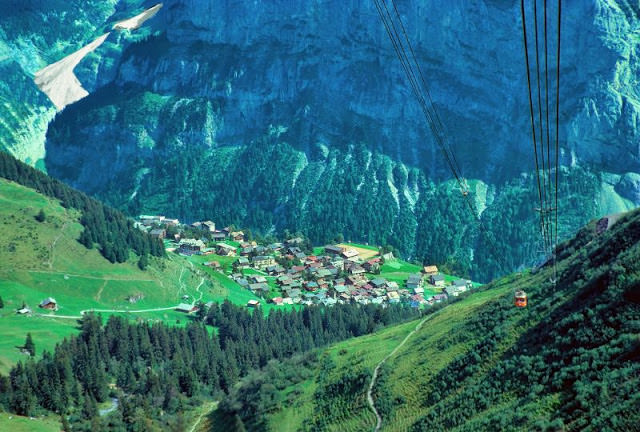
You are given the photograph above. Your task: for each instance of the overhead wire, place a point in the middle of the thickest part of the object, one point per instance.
(555, 267)
(546, 103)
(401, 52)
(428, 109)
(547, 189)
(548, 185)
(426, 89)
(531, 112)
(543, 176)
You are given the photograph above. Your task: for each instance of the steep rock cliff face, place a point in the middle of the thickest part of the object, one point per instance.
(294, 115)
(35, 33)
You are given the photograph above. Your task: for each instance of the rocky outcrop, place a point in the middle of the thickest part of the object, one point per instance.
(34, 34)
(321, 79)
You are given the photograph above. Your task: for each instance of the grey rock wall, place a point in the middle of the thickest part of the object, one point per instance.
(322, 76)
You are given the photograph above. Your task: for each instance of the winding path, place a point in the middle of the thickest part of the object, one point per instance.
(82, 312)
(377, 370)
(53, 244)
(199, 292)
(206, 409)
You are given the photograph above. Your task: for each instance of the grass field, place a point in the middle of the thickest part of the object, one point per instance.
(430, 350)
(44, 259)
(366, 252)
(362, 353)
(14, 423)
(421, 355)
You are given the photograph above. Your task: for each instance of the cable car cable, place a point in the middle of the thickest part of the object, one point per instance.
(430, 112)
(533, 127)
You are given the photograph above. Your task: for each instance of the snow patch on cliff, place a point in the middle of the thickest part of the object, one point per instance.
(393, 188)
(481, 190)
(57, 80)
(136, 21)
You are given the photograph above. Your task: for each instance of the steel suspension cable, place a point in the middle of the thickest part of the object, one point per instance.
(531, 112)
(429, 111)
(543, 209)
(428, 93)
(402, 55)
(546, 101)
(557, 128)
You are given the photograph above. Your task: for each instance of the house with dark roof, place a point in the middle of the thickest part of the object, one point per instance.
(257, 278)
(437, 280)
(414, 281)
(259, 287)
(333, 250)
(49, 303)
(186, 308)
(158, 233)
(190, 246)
(275, 270)
(208, 226)
(224, 249)
(262, 261)
(378, 282)
(218, 235)
(437, 298)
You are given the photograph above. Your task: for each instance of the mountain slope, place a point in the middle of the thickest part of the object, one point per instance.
(297, 117)
(35, 33)
(569, 361)
(45, 259)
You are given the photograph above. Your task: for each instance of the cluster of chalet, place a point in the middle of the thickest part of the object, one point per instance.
(431, 277)
(338, 276)
(48, 304)
(157, 226)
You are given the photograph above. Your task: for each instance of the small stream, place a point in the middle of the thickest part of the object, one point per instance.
(113, 407)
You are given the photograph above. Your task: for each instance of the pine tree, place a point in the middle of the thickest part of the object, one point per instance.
(238, 425)
(143, 263)
(41, 217)
(90, 407)
(29, 346)
(64, 423)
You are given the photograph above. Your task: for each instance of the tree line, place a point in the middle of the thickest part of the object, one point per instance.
(104, 227)
(159, 368)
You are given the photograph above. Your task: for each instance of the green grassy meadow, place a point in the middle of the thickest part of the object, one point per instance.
(361, 355)
(15, 423)
(44, 259)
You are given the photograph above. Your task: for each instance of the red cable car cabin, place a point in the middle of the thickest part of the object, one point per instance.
(520, 299)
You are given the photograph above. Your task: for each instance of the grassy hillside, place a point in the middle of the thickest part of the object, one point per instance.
(42, 259)
(16, 423)
(569, 361)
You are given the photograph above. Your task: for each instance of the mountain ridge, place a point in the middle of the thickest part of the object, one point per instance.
(208, 82)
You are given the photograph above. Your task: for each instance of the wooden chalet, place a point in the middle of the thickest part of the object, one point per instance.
(333, 250)
(49, 303)
(437, 280)
(186, 308)
(158, 233)
(190, 246)
(262, 261)
(430, 270)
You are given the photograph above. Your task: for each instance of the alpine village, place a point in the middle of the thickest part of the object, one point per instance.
(298, 216)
